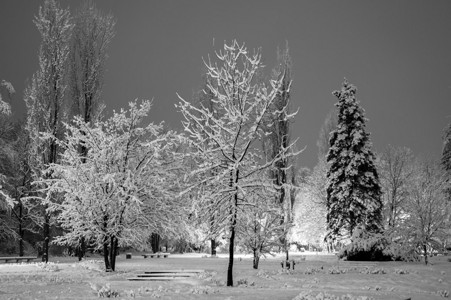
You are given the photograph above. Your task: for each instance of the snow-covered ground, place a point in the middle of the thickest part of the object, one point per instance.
(66, 278)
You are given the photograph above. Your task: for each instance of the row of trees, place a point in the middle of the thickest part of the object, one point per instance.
(68, 82)
(81, 179)
(115, 182)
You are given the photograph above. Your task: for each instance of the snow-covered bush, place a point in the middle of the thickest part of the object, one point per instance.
(365, 246)
(377, 246)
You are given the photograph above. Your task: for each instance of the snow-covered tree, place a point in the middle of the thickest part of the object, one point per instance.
(6, 130)
(353, 189)
(261, 226)
(396, 169)
(122, 189)
(5, 107)
(44, 96)
(205, 98)
(92, 35)
(278, 126)
(446, 156)
(225, 142)
(310, 209)
(428, 212)
(310, 225)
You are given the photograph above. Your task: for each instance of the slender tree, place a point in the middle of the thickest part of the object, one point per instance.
(44, 96)
(353, 189)
(7, 157)
(396, 170)
(206, 99)
(225, 144)
(260, 226)
(92, 35)
(6, 137)
(279, 138)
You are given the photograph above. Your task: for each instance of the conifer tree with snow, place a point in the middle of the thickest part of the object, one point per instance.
(353, 189)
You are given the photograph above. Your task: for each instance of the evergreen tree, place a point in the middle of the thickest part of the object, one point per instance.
(353, 189)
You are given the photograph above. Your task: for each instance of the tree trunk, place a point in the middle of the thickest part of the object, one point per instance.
(256, 259)
(105, 255)
(232, 233)
(155, 242)
(213, 247)
(105, 243)
(21, 232)
(425, 250)
(45, 255)
(81, 249)
(231, 248)
(113, 252)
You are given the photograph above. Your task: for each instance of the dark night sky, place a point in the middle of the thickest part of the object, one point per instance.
(397, 53)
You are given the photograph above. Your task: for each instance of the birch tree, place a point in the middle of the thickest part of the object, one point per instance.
(225, 144)
(45, 94)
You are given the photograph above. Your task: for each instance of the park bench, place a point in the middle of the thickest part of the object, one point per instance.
(17, 259)
(349, 264)
(158, 254)
(165, 275)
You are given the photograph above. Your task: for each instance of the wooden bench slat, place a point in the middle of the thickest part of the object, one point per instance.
(18, 258)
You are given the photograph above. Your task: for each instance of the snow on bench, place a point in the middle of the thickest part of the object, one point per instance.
(158, 254)
(6, 259)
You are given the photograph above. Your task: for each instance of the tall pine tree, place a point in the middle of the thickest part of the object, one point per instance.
(353, 189)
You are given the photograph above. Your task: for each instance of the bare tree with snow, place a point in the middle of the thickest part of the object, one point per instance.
(226, 142)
